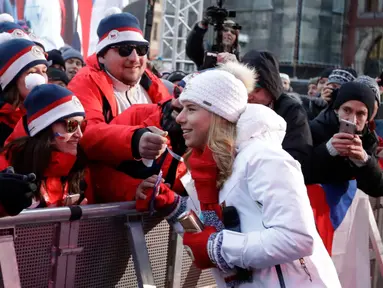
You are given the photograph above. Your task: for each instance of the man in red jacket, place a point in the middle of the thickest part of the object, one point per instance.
(114, 79)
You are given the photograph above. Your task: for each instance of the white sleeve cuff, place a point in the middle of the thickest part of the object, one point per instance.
(361, 163)
(333, 152)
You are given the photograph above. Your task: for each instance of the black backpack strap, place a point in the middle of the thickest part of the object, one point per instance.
(106, 109)
(145, 82)
(280, 276)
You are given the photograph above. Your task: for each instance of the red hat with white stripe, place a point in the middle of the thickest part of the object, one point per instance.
(18, 55)
(118, 28)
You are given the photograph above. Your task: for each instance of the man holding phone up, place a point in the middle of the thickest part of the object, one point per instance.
(344, 146)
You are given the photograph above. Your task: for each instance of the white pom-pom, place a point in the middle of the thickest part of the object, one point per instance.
(4, 37)
(243, 72)
(5, 17)
(112, 11)
(32, 80)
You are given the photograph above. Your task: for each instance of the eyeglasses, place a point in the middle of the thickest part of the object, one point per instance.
(126, 50)
(71, 125)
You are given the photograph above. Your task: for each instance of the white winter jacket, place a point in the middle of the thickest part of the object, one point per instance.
(277, 223)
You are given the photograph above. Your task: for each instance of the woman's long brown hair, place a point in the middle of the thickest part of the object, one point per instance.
(33, 155)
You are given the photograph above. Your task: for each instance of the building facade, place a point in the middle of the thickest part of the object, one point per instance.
(363, 46)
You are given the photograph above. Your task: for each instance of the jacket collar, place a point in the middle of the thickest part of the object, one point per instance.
(117, 84)
(60, 164)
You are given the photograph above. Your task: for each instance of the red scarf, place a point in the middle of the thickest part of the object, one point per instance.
(204, 172)
(52, 189)
(10, 116)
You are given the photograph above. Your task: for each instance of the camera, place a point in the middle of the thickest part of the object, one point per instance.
(216, 16)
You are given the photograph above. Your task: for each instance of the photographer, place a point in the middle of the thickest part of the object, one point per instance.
(196, 48)
(340, 155)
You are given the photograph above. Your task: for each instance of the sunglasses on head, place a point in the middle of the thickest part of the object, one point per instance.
(72, 125)
(126, 50)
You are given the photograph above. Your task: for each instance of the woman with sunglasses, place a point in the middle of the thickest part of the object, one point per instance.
(238, 165)
(19, 57)
(54, 117)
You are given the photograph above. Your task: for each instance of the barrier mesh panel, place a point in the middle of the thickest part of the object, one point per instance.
(106, 260)
(33, 247)
(157, 241)
(191, 276)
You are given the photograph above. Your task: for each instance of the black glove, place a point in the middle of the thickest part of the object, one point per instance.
(16, 191)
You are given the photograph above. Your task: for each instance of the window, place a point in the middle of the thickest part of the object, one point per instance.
(374, 61)
(338, 6)
(262, 5)
(371, 6)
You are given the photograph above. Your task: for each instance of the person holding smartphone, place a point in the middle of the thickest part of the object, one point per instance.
(344, 145)
(54, 121)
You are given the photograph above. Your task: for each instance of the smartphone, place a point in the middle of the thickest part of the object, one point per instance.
(71, 200)
(381, 79)
(155, 191)
(190, 222)
(210, 60)
(347, 127)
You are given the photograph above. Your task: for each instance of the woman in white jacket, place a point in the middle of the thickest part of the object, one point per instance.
(237, 160)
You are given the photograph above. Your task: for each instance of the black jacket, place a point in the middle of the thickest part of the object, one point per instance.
(313, 106)
(195, 47)
(329, 169)
(298, 141)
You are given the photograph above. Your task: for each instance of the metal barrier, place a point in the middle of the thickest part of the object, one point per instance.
(106, 245)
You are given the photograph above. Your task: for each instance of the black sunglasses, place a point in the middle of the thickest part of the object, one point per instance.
(126, 50)
(71, 125)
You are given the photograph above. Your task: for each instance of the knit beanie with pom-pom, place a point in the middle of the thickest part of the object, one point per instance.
(222, 91)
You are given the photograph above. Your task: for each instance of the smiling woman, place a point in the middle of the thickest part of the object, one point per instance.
(54, 121)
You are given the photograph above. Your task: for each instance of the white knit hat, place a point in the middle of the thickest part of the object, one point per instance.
(222, 91)
(284, 76)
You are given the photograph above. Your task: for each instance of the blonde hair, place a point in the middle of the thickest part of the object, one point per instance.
(221, 141)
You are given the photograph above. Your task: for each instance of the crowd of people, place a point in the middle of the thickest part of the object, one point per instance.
(108, 128)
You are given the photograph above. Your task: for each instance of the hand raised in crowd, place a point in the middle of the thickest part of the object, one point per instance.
(148, 183)
(349, 145)
(16, 191)
(152, 144)
(225, 57)
(165, 198)
(327, 94)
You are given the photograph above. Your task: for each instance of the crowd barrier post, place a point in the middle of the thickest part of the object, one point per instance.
(140, 253)
(8, 261)
(175, 253)
(63, 256)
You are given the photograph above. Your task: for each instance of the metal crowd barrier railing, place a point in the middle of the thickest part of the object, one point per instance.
(106, 245)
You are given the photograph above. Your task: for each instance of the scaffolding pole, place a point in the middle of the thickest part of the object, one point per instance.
(178, 20)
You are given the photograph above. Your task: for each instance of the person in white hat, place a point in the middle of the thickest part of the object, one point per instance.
(236, 160)
(285, 82)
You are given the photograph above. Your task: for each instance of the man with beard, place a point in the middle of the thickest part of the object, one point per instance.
(195, 48)
(338, 156)
(114, 79)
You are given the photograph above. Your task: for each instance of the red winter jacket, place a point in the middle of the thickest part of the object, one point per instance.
(108, 144)
(112, 185)
(52, 189)
(104, 141)
(9, 116)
